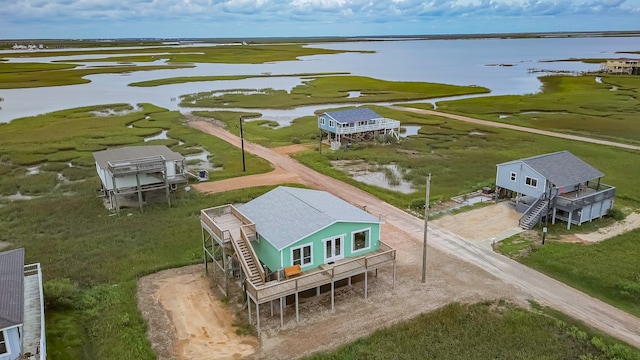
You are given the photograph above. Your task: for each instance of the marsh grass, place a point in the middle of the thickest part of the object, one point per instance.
(490, 330)
(330, 89)
(53, 140)
(571, 104)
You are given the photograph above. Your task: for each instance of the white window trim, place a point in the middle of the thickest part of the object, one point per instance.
(342, 247)
(301, 247)
(353, 233)
(532, 179)
(6, 343)
(513, 176)
(322, 122)
(332, 123)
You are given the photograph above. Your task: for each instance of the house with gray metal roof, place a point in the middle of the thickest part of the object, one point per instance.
(135, 170)
(22, 333)
(353, 125)
(561, 185)
(291, 240)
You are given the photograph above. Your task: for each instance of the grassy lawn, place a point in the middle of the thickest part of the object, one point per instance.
(484, 331)
(572, 104)
(608, 270)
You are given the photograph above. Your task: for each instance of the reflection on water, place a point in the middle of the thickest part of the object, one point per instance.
(409, 130)
(388, 176)
(161, 136)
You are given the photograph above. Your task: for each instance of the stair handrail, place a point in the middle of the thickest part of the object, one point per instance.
(529, 209)
(252, 254)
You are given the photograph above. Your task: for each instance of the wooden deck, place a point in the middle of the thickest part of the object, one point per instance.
(33, 328)
(323, 275)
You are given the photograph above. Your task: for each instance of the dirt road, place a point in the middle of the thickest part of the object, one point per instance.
(515, 127)
(541, 288)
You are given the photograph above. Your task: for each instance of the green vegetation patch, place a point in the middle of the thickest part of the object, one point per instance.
(54, 140)
(188, 79)
(483, 331)
(578, 105)
(608, 270)
(328, 89)
(42, 75)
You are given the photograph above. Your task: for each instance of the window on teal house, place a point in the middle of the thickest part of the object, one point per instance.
(301, 255)
(361, 240)
(4, 349)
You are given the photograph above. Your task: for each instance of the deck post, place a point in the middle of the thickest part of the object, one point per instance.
(365, 284)
(249, 308)
(349, 281)
(139, 191)
(115, 193)
(271, 306)
(166, 186)
(569, 221)
(318, 291)
(281, 314)
(332, 297)
(553, 218)
(258, 316)
(297, 309)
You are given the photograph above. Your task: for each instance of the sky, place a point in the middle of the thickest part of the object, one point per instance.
(106, 19)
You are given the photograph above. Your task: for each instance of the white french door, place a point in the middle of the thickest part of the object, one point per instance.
(333, 249)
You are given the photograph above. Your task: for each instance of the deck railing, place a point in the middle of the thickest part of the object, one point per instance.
(31, 270)
(379, 125)
(321, 276)
(584, 200)
(207, 221)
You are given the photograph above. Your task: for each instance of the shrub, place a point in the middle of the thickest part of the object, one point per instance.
(60, 294)
(616, 214)
(295, 140)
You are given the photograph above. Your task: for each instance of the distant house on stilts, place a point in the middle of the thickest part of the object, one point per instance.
(356, 125)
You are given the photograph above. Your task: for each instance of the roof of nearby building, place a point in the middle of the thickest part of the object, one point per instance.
(12, 285)
(134, 152)
(353, 115)
(561, 168)
(285, 215)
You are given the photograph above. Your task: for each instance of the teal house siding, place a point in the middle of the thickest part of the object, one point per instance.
(309, 228)
(267, 254)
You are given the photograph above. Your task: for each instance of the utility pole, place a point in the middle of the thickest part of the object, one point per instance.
(426, 218)
(244, 168)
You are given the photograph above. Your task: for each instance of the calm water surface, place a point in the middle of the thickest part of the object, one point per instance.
(498, 64)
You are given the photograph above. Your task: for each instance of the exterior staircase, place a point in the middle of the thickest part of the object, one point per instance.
(533, 214)
(248, 259)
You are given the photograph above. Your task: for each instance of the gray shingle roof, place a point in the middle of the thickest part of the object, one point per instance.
(11, 288)
(134, 152)
(285, 215)
(562, 168)
(353, 115)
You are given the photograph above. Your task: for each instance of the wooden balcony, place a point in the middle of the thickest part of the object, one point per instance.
(381, 124)
(323, 275)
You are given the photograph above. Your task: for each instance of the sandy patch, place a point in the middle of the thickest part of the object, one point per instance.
(629, 223)
(483, 225)
(185, 319)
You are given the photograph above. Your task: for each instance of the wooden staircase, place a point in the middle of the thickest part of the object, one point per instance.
(533, 214)
(248, 259)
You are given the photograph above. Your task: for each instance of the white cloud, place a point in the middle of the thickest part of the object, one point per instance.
(356, 16)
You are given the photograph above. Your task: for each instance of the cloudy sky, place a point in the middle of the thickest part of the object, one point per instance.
(23, 19)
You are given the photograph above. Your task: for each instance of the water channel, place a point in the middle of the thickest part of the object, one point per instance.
(501, 65)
